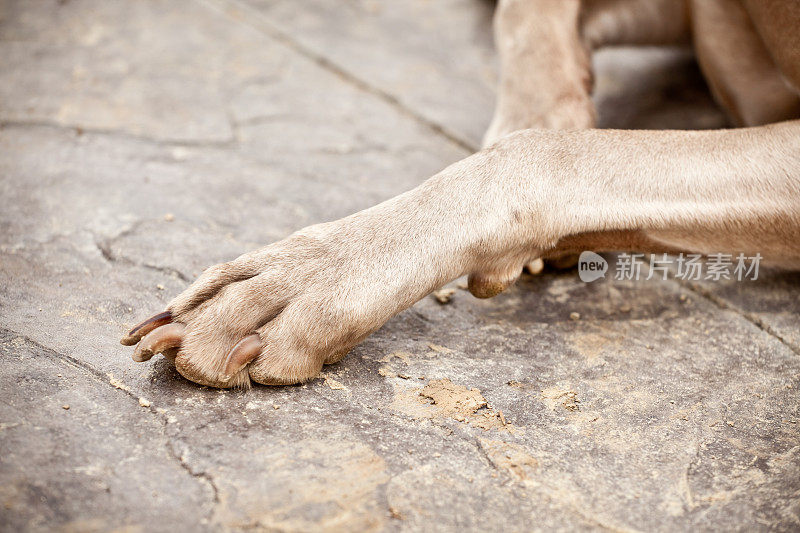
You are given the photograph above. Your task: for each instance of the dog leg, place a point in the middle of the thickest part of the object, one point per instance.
(668, 191)
(776, 22)
(278, 314)
(747, 82)
(545, 76)
(634, 22)
(545, 47)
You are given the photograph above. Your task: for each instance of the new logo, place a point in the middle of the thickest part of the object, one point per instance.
(591, 266)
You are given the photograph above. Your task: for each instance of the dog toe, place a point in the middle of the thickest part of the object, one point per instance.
(162, 339)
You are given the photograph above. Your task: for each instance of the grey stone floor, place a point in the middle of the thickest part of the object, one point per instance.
(144, 140)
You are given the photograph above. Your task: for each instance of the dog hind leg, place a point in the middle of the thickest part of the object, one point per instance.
(747, 83)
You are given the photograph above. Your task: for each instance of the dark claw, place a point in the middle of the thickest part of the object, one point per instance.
(136, 334)
(240, 355)
(164, 339)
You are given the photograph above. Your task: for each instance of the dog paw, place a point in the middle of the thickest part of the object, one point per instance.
(278, 314)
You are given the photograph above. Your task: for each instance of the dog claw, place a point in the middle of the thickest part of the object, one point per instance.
(240, 355)
(139, 331)
(163, 339)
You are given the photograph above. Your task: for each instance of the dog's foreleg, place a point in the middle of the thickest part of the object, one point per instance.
(278, 314)
(705, 192)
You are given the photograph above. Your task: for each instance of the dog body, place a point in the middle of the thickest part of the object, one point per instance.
(546, 185)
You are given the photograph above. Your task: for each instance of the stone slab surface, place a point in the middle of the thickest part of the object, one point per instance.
(143, 141)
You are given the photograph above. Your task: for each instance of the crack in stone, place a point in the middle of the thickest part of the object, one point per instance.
(750, 317)
(485, 455)
(464, 437)
(77, 363)
(686, 488)
(106, 251)
(236, 137)
(121, 134)
(258, 21)
(205, 477)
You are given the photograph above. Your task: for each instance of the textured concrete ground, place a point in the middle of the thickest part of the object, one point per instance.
(143, 141)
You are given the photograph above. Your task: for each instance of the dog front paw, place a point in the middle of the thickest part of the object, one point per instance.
(278, 314)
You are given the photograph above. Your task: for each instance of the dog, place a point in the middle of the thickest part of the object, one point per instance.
(546, 185)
